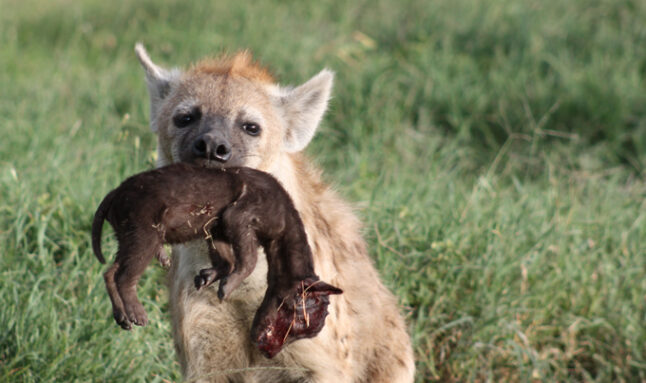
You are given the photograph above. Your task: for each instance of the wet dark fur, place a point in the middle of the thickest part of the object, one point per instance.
(235, 210)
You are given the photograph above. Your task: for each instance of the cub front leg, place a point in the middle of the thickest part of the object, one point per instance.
(245, 247)
(221, 255)
(239, 226)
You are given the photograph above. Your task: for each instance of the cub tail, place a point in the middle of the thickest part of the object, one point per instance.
(97, 225)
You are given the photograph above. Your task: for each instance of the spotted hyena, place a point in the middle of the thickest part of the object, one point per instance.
(229, 111)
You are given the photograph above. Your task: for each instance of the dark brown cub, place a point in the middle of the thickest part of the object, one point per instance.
(236, 210)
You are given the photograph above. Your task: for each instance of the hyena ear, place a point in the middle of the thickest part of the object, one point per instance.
(303, 108)
(158, 79)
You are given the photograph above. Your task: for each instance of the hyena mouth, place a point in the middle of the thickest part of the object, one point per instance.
(240, 160)
(210, 163)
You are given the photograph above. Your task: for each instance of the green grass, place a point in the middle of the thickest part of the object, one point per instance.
(496, 151)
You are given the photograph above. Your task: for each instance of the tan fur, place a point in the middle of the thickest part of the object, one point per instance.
(365, 338)
(240, 64)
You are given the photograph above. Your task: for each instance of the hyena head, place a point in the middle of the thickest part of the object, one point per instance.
(230, 112)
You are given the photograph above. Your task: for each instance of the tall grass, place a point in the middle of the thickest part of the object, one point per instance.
(495, 151)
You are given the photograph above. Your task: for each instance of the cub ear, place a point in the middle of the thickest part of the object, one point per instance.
(322, 288)
(159, 81)
(303, 108)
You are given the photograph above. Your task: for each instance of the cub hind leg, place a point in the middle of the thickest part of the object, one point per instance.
(136, 250)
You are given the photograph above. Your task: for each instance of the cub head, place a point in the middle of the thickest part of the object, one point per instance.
(230, 112)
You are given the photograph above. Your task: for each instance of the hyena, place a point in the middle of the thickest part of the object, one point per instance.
(229, 111)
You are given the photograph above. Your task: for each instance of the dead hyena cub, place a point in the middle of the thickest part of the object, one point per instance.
(229, 111)
(236, 210)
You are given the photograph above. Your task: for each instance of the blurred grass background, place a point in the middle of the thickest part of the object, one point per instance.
(496, 151)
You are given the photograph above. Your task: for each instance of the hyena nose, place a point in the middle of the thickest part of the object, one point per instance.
(208, 147)
(222, 152)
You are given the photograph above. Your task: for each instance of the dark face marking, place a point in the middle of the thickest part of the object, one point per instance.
(185, 119)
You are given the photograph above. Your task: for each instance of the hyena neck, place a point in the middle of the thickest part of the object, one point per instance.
(333, 230)
(299, 178)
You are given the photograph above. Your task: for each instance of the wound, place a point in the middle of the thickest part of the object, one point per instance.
(301, 314)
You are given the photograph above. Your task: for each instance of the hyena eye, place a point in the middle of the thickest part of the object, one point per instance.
(251, 128)
(184, 119)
